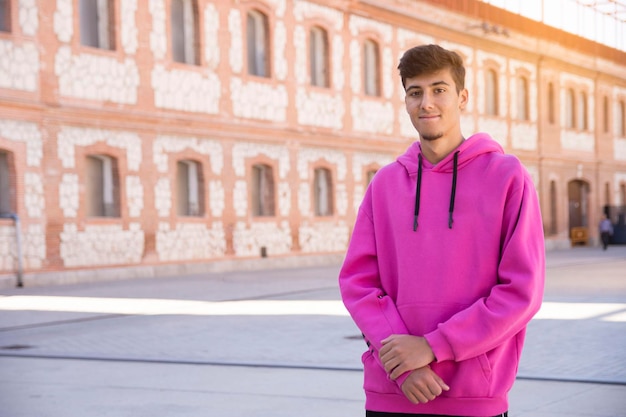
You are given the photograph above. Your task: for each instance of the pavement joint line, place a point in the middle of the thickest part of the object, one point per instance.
(615, 260)
(574, 380)
(276, 366)
(182, 362)
(61, 322)
(280, 294)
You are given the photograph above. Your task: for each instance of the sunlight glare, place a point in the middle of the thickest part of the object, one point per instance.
(612, 312)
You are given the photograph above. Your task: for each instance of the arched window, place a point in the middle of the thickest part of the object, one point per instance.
(371, 68)
(102, 186)
(491, 92)
(318, 57)
(262, 190)
(570, 109)
(522, 98)
(258, 44)
(323, 192)
(190, 188)
(97, 23)
(184, 30)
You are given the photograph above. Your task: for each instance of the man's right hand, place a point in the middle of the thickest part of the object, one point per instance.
(423, 385)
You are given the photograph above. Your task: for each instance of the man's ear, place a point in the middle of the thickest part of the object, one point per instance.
(463, 98)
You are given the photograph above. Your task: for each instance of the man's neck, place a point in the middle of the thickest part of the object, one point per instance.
(436, 150)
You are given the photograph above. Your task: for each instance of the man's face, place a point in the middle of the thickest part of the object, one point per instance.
(434, 105)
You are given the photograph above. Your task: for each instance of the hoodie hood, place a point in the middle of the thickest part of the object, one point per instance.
(414, 162)
(470, 148)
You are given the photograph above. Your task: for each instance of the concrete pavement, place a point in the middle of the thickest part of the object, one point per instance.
(277, 342)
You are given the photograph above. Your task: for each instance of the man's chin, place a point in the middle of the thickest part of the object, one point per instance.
(431, 137)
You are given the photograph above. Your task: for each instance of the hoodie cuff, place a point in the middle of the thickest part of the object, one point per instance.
(440, 346)
(400, 380)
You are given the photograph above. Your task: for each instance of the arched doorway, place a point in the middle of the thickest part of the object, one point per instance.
(577, 194)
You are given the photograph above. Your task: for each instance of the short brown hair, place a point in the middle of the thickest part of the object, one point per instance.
(426, 59)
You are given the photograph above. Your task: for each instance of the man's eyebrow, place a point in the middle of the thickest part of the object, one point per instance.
(436, 83)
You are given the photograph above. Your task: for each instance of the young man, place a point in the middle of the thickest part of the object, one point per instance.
(446, 263)
(606, 231)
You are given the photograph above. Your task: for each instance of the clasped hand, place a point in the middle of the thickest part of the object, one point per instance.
(404, 353)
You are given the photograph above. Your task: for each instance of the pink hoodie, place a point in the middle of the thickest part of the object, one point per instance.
(468, 281)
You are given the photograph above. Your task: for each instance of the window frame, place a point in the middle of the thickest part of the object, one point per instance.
(551, 104)
(190, 189)
(606, 110)
(323, 192)
(263, 190)
(620, 123)
(570, 109)
(7, 183)
(492, 92)
(582, 116)
(523, 98)
(369, 175)
(258, 45)
(6, 19)
(185, 40)
(319, 56)
(104, 25)
(371, 64)
(107, 203)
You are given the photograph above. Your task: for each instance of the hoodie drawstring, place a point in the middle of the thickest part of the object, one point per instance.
(453, 193)
(419, 186)
(417, 190)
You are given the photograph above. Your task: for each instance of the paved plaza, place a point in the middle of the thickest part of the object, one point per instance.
(278, 342)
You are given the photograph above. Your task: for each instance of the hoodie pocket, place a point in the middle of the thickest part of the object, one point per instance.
(470, 378)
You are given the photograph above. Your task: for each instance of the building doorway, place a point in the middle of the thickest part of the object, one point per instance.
(577, 194)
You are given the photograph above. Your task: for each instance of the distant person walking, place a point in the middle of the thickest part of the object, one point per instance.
(606, 231)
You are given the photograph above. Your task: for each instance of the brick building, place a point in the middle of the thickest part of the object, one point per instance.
(138, 135)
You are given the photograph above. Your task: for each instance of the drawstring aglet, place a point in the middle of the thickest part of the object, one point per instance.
(415, 223)
(453, 193)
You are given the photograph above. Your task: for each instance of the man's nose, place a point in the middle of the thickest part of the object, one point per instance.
(427, 100)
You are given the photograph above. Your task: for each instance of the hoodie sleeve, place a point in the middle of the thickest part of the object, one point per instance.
(373, 311)
(516, 298)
